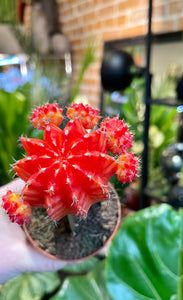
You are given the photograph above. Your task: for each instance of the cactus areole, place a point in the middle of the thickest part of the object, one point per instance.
(69, 170)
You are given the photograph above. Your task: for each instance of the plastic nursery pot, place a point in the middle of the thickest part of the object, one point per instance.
(90, 235)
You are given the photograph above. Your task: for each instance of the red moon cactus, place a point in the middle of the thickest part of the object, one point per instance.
(119, 138)
(88, 116)
(69, 169)
(50, 113)
(19, 211)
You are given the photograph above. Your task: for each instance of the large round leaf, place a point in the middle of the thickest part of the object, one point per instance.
(89, 287)
(143, 259)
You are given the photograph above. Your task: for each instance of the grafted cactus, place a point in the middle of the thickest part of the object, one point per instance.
(69, 170)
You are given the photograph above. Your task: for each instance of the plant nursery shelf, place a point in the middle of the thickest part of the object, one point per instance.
(166, 101)
(155, 194)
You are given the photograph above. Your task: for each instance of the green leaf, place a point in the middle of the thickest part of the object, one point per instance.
(8, 12)
(89, 287)
(143, 259)
(14, 109)
(87, 59)
(30, 286)
(84, 266)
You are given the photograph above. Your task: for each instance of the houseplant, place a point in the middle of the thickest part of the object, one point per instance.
(69, 171)
(162, 132)
(144, 261)
(14, 110)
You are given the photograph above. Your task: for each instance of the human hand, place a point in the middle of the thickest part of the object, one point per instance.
(17, 255)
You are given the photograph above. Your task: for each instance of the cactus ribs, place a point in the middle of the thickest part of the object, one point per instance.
(69, 170)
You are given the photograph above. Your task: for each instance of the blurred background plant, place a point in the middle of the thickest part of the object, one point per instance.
(87, 59)
(43, 78)
(8, 12)
(45, 81)
(163, 124)
(14, 121)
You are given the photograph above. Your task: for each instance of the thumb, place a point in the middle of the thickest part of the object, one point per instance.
(37, 262)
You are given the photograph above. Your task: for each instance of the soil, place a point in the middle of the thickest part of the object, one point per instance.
(87, 236)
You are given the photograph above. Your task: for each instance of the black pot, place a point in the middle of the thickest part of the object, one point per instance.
(116, 70)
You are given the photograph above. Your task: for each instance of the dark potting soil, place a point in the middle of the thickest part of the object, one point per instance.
(90, 234)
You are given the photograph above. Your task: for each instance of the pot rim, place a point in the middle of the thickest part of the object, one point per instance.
(40, 250)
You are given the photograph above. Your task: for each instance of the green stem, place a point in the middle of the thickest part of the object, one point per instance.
(72, 222)
(180, 266)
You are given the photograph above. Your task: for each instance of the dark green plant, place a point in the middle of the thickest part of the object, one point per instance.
(7, 11)
(162, 130)
(14, 109)
(163, 126)
(89, 287)
(30, 286)
(145, 261)
(38, 286)
(145, 258)
(14, 122)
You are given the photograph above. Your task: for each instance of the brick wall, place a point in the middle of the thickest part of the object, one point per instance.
(102, 20)
(27, 17)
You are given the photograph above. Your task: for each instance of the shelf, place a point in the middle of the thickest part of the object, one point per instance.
(154, 196)
(149, 192)
(166, 101)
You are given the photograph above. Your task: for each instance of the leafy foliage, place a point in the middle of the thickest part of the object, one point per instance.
(14, 122)
(89, 287)
(7, 12)
(162, 129)
(30, 286)
(143, 261)
(14, 109)
(84, 266)
(143, 258)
